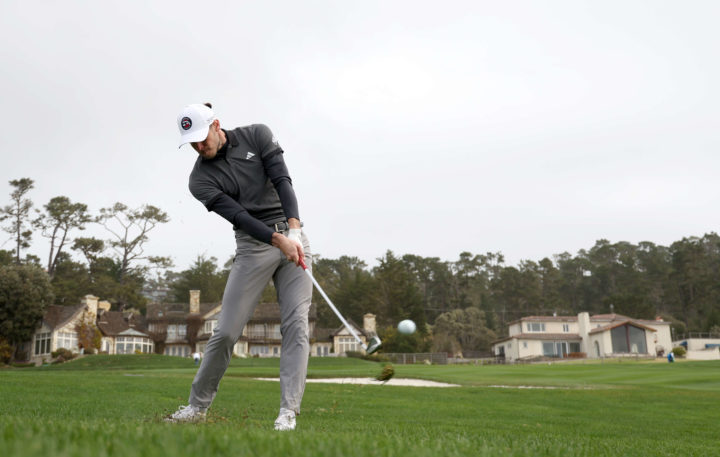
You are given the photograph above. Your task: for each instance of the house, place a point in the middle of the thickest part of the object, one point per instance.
(342, 341)
(183, 328)
(700, 346)
(179, 329)
(57, 330)
(175, 326)
(597, 336)
(121, 333)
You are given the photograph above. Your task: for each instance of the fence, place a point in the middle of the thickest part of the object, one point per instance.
(435, 358)
(686, 336)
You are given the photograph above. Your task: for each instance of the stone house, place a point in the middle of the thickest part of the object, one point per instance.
(597, 336)
(58, 329)
(179, 329)
(184, 328)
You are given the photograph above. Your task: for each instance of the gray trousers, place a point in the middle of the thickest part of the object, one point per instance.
(254, 265)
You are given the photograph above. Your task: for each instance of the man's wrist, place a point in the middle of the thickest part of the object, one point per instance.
(294, 223)
(277, 239)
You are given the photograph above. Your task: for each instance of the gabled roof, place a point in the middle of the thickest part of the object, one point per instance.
(133, 332)
(547, 319)
(213, 313)
(113, 323)
(610, 317)
(57, 316)
(324, 334)
(619, 324)
(594, 318)
(266, 312)
(157, 311)
(356, 327)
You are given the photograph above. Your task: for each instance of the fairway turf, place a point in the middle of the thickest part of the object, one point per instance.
(113, 406)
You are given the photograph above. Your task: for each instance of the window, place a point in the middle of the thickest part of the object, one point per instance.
(555, 348)
(535, 327)
(67, 340)
(42, 343)
(347, 344)
(274, 332)
(256, 331)
(549, 349)
(130, 344)
(628, 339)
(524, 344)
(259, 350)
(574, 347)
(210, 326)
(566, 328)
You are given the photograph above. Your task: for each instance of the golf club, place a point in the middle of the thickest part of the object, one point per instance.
(375, 342)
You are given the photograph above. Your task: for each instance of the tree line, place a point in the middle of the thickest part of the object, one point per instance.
(459, 305)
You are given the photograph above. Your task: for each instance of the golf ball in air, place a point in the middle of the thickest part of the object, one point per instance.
(406, 327)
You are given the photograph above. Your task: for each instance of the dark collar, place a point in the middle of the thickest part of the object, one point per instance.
(231, 137)
(231, 140)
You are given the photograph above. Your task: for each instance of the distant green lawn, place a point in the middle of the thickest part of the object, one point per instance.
(113, 406)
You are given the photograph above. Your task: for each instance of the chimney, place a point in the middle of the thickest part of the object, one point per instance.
(369, 323)
(91, 302)
(584, 331)
(194, 302)
(104, 304)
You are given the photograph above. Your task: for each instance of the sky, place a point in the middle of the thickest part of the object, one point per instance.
(428, 128)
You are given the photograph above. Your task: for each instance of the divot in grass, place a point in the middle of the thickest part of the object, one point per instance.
(392, 382)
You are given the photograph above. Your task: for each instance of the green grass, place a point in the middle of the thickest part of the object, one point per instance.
(113, 406)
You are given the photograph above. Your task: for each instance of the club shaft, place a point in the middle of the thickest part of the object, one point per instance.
(337, 313)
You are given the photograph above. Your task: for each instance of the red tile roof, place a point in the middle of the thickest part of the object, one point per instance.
(542, 336)
(619, 324)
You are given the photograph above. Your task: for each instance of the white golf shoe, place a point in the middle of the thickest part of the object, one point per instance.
(285, 420)
(187, 413)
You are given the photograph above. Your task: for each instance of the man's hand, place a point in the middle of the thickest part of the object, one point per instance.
(292, 249)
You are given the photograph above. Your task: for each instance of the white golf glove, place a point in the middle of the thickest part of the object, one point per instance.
(295, 235)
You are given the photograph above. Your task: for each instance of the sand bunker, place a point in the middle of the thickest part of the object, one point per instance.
(371, 381)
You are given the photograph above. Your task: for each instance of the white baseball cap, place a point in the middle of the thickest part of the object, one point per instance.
(194, 122)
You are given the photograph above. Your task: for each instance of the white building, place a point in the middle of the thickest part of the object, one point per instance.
(601, 335)
(700, 346)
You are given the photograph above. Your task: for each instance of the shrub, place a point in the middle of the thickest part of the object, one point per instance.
(23, 364)
(62, 353)
(679, 351)
(59, 359)
(5, 351)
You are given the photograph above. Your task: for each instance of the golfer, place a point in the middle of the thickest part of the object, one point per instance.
(241, 175)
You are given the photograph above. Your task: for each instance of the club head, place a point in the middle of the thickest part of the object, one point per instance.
(373, 345)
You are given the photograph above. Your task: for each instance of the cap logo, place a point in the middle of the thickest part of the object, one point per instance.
(186, 123)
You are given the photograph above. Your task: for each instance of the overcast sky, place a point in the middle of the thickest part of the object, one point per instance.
(430, 128)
